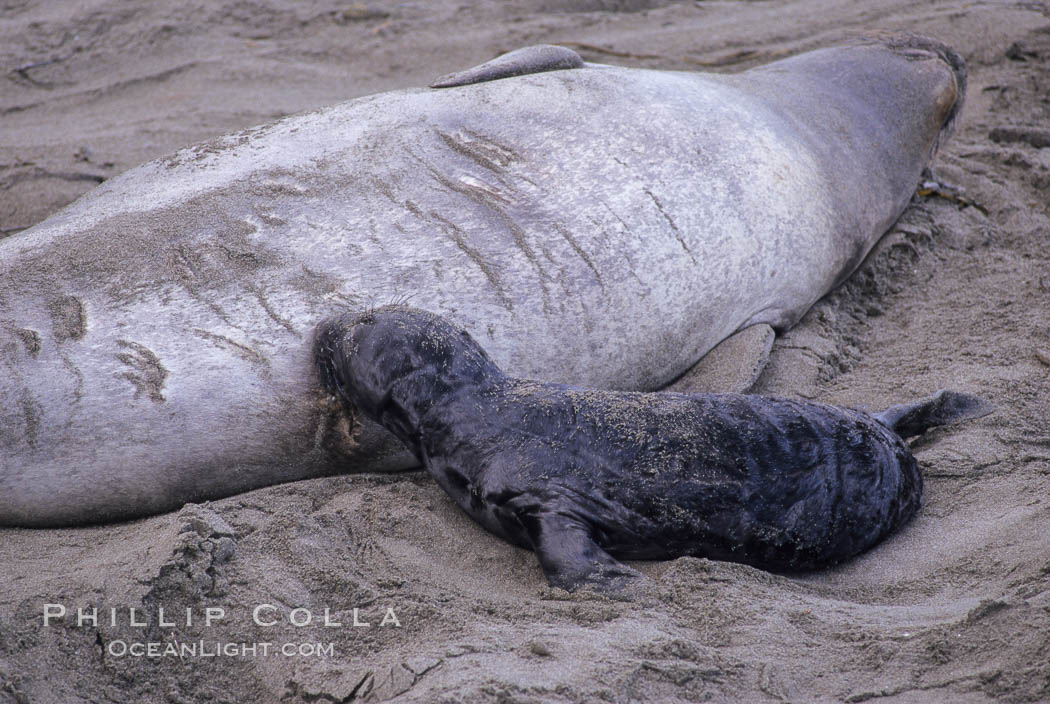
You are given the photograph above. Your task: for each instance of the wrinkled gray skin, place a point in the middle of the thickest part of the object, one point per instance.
(596, 225)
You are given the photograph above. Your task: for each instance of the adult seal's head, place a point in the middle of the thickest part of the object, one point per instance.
(949, 92)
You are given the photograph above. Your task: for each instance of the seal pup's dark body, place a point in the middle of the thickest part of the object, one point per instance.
(584, 476)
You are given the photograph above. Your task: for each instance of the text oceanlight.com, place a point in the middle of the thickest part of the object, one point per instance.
(215, 649)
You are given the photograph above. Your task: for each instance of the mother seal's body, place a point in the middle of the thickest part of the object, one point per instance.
(594, 224)
(583, 476)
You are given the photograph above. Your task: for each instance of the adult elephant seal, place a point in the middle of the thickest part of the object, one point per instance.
(583, 477)
(600, 225)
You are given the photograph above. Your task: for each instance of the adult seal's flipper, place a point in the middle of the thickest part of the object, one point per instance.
(531, 59)
(733, 366)
(944, 407)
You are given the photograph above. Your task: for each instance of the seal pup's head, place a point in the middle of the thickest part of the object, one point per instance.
(395, 363)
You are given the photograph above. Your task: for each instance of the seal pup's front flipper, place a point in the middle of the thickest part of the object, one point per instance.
(944, 407)
(531, 59)
(733, 366)
(569, 556)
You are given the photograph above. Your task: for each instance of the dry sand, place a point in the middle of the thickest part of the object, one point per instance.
(956, 608)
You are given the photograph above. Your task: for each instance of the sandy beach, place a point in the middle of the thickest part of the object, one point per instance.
(955, 608)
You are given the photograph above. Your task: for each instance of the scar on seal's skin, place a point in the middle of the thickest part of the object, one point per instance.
(31, 414)
(222, 342)
(31, 340)
(149, 374)
(68, 319)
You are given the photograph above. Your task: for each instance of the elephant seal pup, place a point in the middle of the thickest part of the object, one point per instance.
(597, 225)
(583, 477)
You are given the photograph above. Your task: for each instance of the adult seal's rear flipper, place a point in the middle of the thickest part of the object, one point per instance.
(733, 366)
(944, 407)
(531, 59)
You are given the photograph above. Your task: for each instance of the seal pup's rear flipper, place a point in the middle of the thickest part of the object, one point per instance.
(733, 366)
(531, 59)
(569, 556)
(910, 419)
